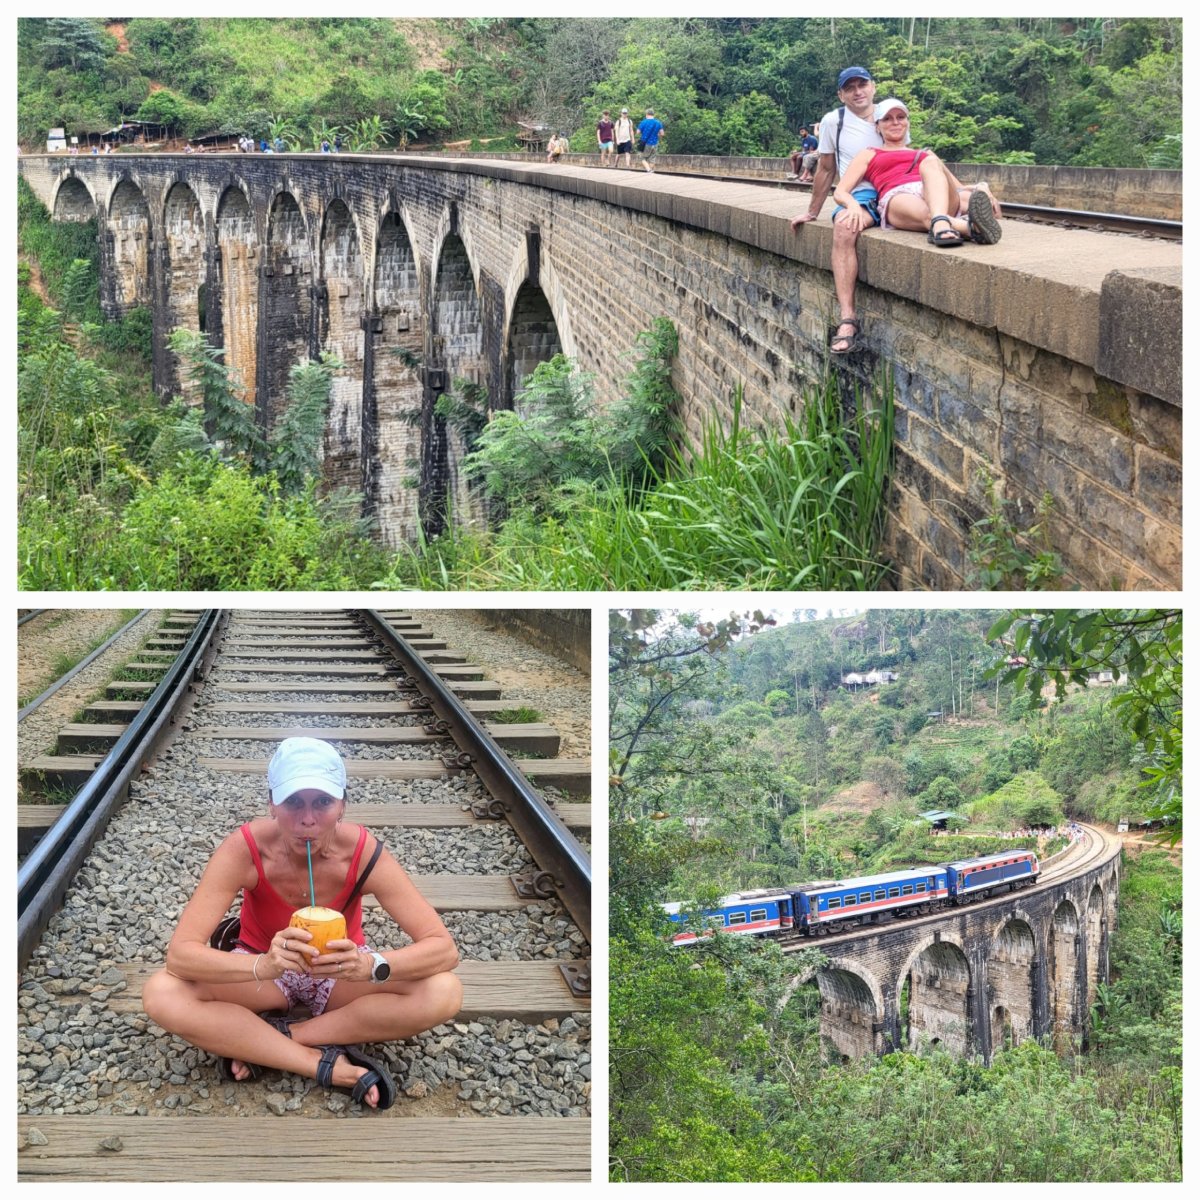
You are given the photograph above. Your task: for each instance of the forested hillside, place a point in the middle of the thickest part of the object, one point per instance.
(1092, 92)
(739, 756)
(799, 775)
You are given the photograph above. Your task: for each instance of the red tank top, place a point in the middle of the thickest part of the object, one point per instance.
(891, 168)
(265, 912)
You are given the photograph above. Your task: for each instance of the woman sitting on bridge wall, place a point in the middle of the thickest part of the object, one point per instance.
(916, 189)
(213, 998)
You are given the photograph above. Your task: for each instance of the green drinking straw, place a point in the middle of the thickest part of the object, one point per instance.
(312, 891)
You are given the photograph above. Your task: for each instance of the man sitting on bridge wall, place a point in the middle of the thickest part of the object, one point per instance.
(844, 132)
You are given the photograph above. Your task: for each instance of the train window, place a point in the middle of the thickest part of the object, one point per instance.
(835, 902)
(849, 900)
(758, 914)
(895, 891)
(864, 898)
(737, 918)
(881, 894)
(920, 888)
(907, 889)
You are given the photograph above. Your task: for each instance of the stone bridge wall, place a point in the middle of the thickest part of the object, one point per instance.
(980, 978)
(1050, 380)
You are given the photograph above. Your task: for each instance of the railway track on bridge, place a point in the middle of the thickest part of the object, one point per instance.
(1092, 850)
(1064, 218)
(492, 841)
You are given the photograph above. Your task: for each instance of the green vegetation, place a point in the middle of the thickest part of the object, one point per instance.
(118, 491)
(1142, 648)
(1079, 91)
(716, 1067)
(516, 716)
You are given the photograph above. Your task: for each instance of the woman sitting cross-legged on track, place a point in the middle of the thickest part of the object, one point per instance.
(916, 189)
(234, 1003)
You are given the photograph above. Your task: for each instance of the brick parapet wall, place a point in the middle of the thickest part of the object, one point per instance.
(1001, 358)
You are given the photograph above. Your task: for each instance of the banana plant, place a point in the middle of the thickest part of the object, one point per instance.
(367, 135)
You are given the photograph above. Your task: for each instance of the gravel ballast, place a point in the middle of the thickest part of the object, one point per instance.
(75, 1055)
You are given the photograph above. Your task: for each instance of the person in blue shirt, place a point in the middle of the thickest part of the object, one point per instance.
(650, 131)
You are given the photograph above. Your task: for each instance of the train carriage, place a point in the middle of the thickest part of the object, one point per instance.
(834, 905)
(759, 912)
(824, 907)
(973, 878)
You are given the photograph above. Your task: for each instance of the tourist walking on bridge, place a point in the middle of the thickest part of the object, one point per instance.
(649, 133)
(624, 136)
(604, 139)
(844, 132)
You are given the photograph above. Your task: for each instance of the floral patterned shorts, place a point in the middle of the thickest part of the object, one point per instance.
(301, 989)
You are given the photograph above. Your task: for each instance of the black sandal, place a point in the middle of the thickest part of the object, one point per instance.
(854, 341)
(376, 1076)
(981, 220)
(943, 237)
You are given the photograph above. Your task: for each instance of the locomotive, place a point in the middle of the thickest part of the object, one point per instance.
(833, 906)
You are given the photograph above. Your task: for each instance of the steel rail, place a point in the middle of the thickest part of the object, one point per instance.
(1070, 218)
(553, 846)
(79, 666)
(46, 873)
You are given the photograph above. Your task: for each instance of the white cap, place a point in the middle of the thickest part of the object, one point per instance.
(305, 762)
(885, 106)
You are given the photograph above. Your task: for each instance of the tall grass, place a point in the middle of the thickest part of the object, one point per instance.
(802, 507)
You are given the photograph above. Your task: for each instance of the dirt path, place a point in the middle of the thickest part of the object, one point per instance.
(117, 30)
(37, 284)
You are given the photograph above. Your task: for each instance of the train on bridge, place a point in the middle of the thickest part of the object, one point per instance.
(833, 906)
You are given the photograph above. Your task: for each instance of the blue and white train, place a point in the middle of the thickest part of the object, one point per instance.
(836, 905)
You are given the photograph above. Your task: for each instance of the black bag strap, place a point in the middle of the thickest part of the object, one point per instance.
(837, 143)
(363, 877)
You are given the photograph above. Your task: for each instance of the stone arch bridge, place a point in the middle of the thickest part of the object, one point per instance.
(1050, 362)
(980, 978)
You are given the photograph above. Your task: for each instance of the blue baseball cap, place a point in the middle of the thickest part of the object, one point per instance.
(853, 73)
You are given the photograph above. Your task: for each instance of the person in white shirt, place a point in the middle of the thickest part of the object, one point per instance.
(844, 132)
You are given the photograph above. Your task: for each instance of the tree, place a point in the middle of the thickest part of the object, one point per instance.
(1144, 649)
(659, 664)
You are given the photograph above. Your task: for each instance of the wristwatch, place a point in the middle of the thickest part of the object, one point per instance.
(380, 970)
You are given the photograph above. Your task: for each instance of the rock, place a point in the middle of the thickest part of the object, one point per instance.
(277, 1104)
(418, 1090)
(35, 1137)
(113, 1144)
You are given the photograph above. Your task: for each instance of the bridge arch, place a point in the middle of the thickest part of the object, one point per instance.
(128, 238)
(237, 267)
(397, 338)
(184, 277)
(938, 975)
(342, 295)
(285, 301)
(73, 200)
(852, 1008)
(457, 349)
(1011, 983)
(537, 323)
(1066, 961)
(1095, 941)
